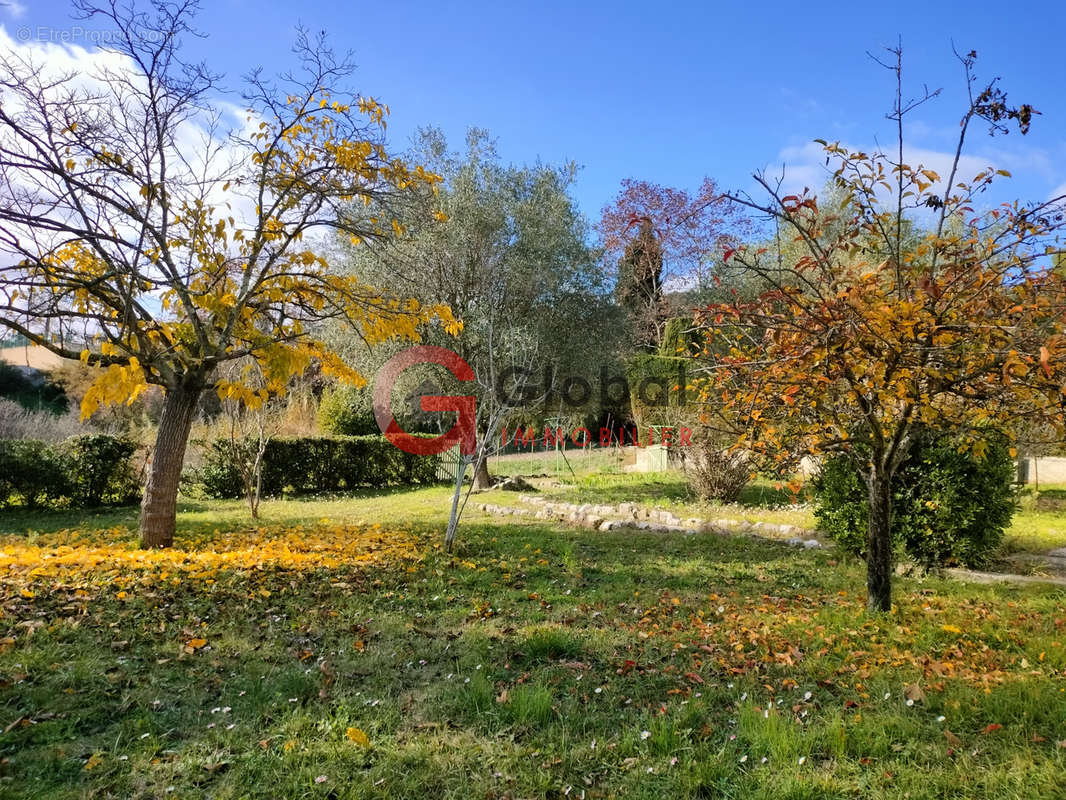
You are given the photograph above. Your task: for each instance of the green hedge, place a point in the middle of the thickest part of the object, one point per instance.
(313, 464)
(947, 507)
(82, 472)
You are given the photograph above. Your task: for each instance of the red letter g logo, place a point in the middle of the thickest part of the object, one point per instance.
(463, 431)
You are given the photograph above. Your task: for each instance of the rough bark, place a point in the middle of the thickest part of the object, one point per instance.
(879, 544)
(482, 478)
(159, 507)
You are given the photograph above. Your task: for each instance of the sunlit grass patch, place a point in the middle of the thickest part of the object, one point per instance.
(536, 659)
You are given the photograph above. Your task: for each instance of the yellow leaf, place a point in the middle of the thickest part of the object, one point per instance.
(357, 736)
(196, 644)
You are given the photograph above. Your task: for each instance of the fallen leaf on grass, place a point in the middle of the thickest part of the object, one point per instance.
(358, 736)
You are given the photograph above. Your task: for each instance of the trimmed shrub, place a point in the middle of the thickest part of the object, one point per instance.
(948, 508)
(32, 473)
(81, 472)
(347, 411)
(315, 464)
(101, 470)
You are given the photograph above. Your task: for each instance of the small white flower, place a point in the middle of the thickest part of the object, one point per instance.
(644, 734)
(743, 759)
(802, 759)
(941, 718)
(807, 695)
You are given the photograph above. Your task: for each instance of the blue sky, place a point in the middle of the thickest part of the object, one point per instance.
(666, 92)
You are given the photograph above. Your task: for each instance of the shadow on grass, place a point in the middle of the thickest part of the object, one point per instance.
(198, 516)
(763, 493)
(1050, 500)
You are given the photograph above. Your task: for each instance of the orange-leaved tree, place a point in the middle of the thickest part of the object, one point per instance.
(900, 307)
(144, 237)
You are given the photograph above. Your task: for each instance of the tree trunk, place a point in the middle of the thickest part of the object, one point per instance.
(482, 479)
(879, 544)
(159, 507)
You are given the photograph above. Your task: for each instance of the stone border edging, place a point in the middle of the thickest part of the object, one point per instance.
(636, 517)
(633, 516)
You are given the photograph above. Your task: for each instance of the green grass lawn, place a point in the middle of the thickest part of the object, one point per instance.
(536, 662)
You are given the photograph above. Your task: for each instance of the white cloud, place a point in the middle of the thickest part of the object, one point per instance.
(192, 139)
(805, 165)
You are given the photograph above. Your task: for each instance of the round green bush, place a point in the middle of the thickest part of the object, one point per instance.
(948, 507)
(220, 476)
(347, 411)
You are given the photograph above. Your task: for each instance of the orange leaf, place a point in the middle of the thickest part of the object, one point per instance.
(1045, 359)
